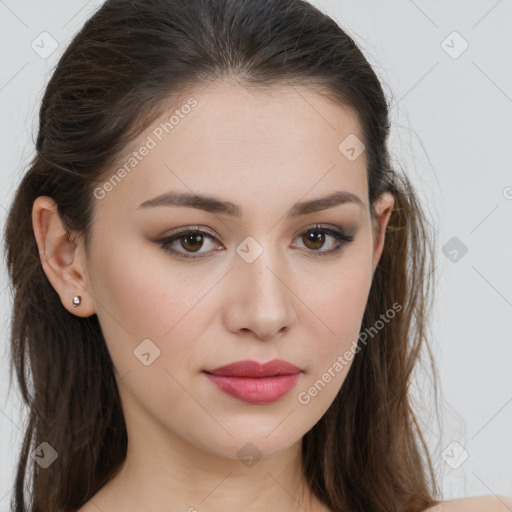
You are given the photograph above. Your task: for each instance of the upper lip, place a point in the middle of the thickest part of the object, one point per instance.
(249, 368)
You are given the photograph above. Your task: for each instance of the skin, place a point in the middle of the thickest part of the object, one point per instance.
(263, 151)
(475, 504)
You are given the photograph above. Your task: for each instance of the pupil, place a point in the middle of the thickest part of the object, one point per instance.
(193, 238)
(317, 237)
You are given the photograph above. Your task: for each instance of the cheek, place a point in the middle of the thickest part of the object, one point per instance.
(340, 304)
(141, 300)
(143, 295)
(137, 288)
(341, 301)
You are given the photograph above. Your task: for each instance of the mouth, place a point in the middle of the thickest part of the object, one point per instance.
(253, 382)
(250, 368)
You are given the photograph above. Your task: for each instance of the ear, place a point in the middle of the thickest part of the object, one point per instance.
(383, 208)
(63, 260)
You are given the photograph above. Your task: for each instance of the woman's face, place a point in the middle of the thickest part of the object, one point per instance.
(258, 283)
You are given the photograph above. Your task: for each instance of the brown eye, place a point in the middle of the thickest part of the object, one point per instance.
(314, 239)
(187, 242)
(192, 242)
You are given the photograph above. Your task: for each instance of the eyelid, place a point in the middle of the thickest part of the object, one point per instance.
(191, 229)
(166, 240)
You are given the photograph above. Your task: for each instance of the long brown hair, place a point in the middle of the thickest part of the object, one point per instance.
(367, 453)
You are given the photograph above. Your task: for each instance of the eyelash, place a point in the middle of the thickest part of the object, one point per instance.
(337, 233)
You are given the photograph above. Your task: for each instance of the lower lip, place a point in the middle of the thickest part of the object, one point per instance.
(255, 390)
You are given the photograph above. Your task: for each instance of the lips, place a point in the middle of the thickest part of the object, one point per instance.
(250, 368)
(253, 382)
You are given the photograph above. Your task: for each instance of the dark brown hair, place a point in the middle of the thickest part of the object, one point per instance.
(367, 453)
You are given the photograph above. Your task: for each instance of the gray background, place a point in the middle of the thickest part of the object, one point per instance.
(451, 132)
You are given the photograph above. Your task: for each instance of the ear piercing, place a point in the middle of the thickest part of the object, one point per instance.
(77, 300)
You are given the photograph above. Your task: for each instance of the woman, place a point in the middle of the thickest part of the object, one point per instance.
(221, 283)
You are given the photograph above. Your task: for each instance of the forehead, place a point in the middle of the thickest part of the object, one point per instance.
(238, 142)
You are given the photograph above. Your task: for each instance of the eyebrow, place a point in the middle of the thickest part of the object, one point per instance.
(215, 205)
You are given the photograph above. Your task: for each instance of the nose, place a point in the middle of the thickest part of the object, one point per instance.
(260, 301)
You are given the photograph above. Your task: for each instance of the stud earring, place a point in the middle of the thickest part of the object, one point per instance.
(77, 300)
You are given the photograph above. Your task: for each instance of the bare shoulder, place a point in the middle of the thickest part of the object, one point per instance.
(475, 504)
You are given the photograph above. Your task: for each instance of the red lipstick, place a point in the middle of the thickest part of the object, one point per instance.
(254, 382)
